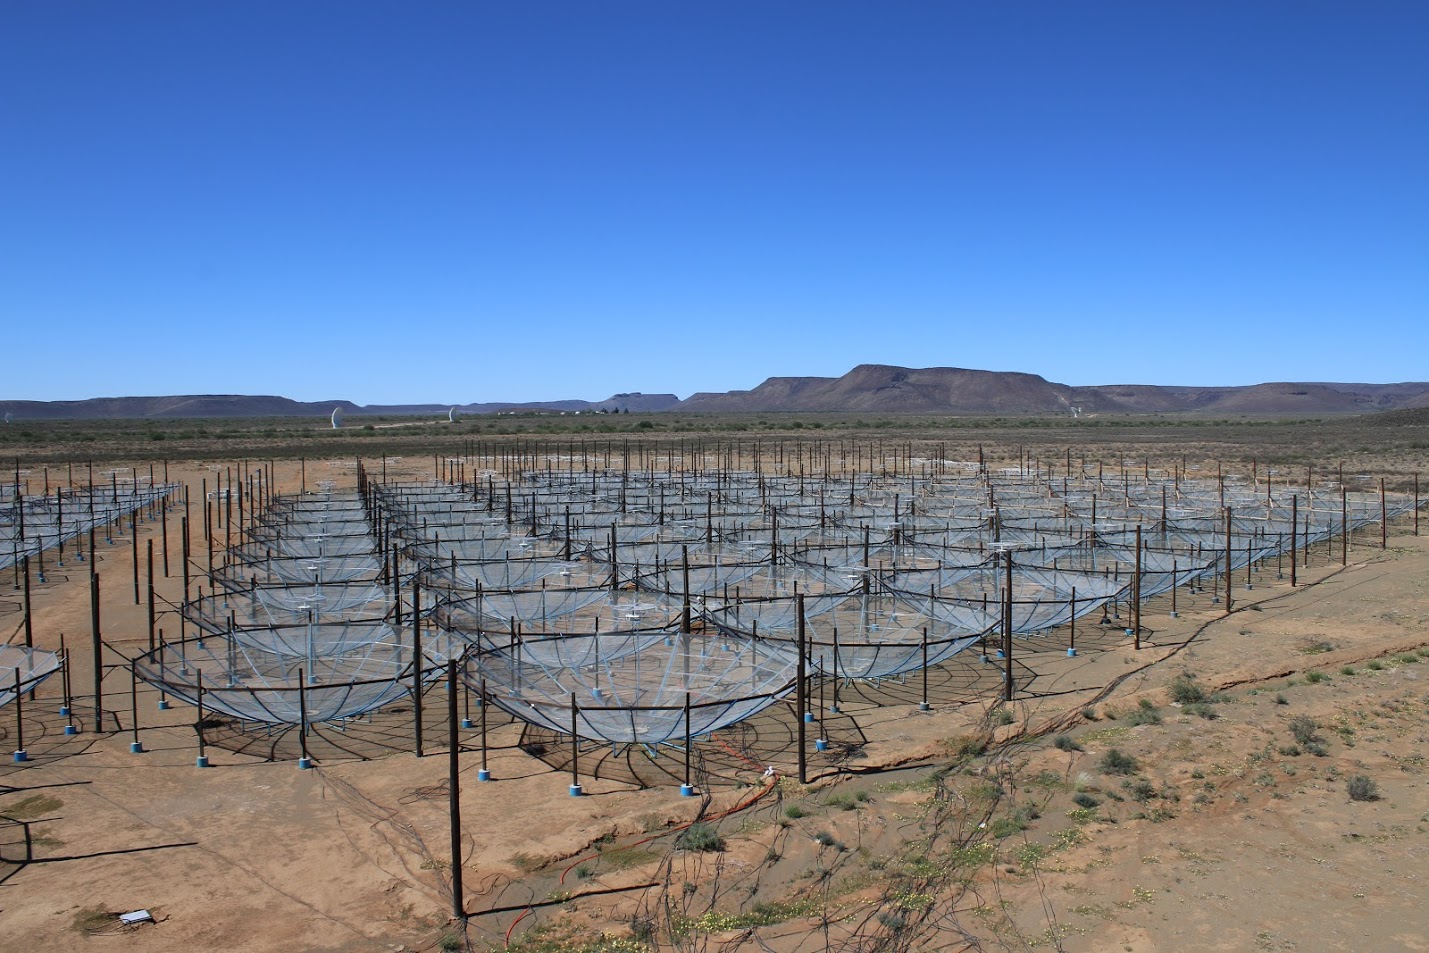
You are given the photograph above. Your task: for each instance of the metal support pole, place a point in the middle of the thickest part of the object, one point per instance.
(454, 793)
(800, 694)
(98, 656)
(575, 750)
(417, 663)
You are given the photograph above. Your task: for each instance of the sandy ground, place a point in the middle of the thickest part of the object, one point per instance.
(1235, 840)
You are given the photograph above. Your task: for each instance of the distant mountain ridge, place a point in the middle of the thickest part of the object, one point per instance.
(239, 405)
(868, 388)
(884, 388)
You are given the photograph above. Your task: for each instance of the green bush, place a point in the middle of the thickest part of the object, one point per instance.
(1362, 788)
(1144, 713)
(700, 837)
(1117, 762)
(794, 812)
(1314, 678)
(1083, 799)
(1186, 691)
(1067, 743)
(1304, 729)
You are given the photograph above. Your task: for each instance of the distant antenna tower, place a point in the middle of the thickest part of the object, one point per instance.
(337, 418)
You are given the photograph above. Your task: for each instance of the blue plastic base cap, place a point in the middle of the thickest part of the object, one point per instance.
(834, 710)
(21, 756)
(923, 706)
(1071, 653)
(136, 747)
(305, 763)
(201, 761)
(483, 775)
(1129, 632)
(163, 706)
(1000, 654)
(64, 710)
(576, 790)
(821, 744)
(687, 790)
(466, 722)
(808, 717)
(71, 730)
(1175, 615)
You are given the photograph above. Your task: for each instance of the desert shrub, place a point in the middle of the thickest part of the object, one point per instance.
(1304, 729)
(1083, 799)
(1317, 748)
(794, 812)
(1347, 670)
(1002, 716)
(450, 942)
(700, 837)
(840, 800)
(1314, 678)
(893, 920)
(1186, 691)
(1362, 788)
(1141, 789)
(1067, 743)
(1375, 665)
(1201, 710)
(1118, 762)
(1144, 713)
(1281, 700)
(824, 839)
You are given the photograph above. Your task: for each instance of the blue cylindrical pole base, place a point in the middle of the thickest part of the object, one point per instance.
(924, 706)
(821, 744)
(1129, 632)
(483, 775)
(1000, 655)
(1175, 615)
(71, 730)
(136, 747)
(201, 761)
(21, 756)
(64, 710)
(687, 790)
(305, 763)
(164, 704)
(834, 710)
(808, 717)
(576, 790)
(466, 723)
(1071, 653)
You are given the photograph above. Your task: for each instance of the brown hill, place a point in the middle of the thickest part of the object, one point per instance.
(880, 388)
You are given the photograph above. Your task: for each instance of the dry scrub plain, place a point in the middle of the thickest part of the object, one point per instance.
(1244, 781)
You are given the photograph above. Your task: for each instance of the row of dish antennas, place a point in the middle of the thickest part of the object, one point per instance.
(337, 417)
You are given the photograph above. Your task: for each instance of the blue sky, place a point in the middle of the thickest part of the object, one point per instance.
(455, 202)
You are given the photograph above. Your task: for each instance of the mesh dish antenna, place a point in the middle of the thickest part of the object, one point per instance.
(451, 416)
(336, 418)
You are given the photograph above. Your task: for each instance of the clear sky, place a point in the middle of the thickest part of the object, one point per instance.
(469, 201)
